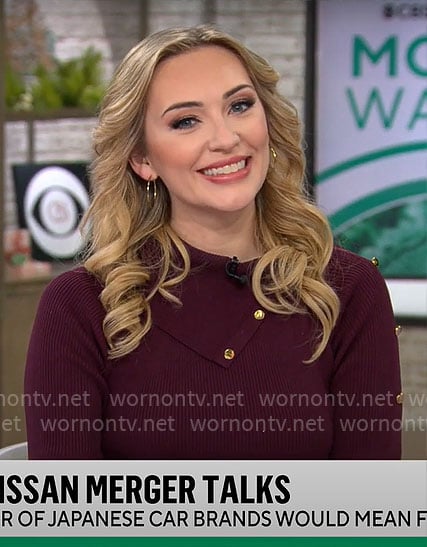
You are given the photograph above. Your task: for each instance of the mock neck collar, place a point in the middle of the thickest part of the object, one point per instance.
(199, 256)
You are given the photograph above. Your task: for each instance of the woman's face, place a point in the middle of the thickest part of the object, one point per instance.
(206, 134)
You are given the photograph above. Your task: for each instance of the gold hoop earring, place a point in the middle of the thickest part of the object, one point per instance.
(273, 156)
(151, 196)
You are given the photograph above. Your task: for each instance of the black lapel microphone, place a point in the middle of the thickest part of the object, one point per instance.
(231, 269)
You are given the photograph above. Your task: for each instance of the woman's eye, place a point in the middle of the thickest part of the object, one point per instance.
(184, 123)
(242, 105)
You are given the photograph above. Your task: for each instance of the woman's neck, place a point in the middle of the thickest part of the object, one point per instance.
(236, 237)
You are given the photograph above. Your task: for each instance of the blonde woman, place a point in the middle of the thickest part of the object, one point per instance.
(212, 317)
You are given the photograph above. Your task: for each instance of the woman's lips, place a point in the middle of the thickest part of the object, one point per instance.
(233, 170)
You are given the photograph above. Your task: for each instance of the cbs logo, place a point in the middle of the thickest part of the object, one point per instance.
(54, 203)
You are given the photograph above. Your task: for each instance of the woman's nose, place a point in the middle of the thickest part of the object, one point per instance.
(223, 136)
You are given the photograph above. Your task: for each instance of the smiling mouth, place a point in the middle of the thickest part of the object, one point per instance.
(225, 169)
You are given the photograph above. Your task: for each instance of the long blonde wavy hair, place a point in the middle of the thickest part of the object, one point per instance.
(295, 237)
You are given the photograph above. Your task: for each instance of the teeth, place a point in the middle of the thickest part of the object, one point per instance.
(226, 169)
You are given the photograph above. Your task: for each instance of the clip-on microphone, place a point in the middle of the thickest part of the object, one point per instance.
(231, 269)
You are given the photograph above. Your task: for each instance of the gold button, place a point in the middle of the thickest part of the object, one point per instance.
(399, 398)
(229, 354)
(259, 314)
(398, 329)
(375, 261)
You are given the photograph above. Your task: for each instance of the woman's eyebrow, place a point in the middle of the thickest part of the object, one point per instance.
(228, 94)
(192, 104)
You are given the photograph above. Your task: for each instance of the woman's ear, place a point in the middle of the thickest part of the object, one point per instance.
(142, 167)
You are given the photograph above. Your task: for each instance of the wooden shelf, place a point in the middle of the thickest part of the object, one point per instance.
(57, 268)
(64, 113)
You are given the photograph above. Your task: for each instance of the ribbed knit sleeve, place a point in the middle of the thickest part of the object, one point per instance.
(366, 375)
(64, 380)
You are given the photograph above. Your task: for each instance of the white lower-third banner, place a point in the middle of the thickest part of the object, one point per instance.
(212, 498)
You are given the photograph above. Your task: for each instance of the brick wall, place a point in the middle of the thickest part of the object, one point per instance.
(110, 26)
(273, 28)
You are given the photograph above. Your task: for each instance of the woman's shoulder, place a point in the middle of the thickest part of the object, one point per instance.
(78, 278)
(348, 271)
(76, 286)
(343, 258)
